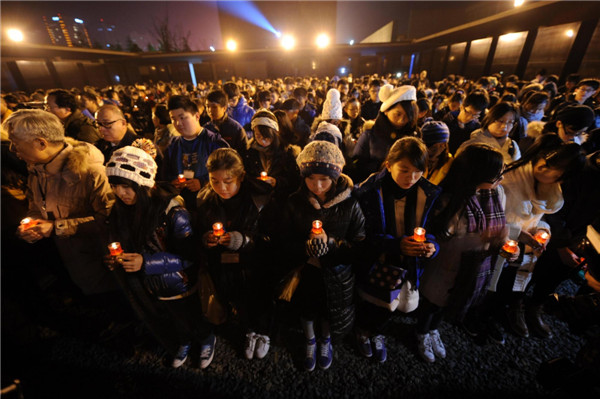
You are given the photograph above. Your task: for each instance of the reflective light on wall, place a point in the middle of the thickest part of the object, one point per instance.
(351, 42)
(288, 42)
(231, 45)
(322, 40)
(569, 33)
(519, 3)
(15, 35)
(510, 37)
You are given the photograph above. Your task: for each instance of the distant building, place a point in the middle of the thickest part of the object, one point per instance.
(63, 34)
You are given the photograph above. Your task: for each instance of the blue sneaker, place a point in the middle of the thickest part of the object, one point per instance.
(325, 353)
(310, 361)
(364, 345)
(380, 351)
(207, 351)
(181, 355)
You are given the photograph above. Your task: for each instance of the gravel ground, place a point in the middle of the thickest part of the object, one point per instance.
(69, 365)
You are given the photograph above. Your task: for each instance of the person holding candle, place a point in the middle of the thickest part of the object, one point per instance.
(154, 232)
(267, 154)
(395, 201)
(325, 231)
(532, 187)
(237, 247)
(469, 223)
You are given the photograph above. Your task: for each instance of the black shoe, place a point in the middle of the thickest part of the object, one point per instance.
(533, 316)
(495, 331)
(473, 327)
(516, 319)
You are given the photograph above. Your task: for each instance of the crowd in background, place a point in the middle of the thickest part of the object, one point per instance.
(339, 200)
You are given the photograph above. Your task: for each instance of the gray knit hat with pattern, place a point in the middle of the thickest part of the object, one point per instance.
(321, 157)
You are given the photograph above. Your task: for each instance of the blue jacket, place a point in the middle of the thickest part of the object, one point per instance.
(379, 241)
(242, 113)
(231, 131)
(167, 270)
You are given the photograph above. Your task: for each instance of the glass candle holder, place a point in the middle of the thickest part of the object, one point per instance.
(28, 223)
(317, 227)
(181, 178)
(510, 246)
(115, 249)
(218, 230)
(419, 234)
(263, 176)
(542, 236)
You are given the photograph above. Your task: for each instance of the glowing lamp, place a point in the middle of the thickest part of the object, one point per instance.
(115, 249)
(419, 234)
(322, 40)
(542, 236)
(510, 246)
(218, 230)
(15, 35)
(231, 45)
(28, 223)
(288, 42)
(181, 178)
(317, 227)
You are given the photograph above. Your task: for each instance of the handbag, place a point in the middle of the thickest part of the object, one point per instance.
(289, 284)
(386, 276)
(408, 300)
(212, 308)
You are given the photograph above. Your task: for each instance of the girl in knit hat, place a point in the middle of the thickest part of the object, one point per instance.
(397, 118)
(325, 230)
(435, 136)
(233, 209)
(396, 201)
(154, 231)
(267, 155)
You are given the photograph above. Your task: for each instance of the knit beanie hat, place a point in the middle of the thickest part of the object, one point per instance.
(391, 96)
(133, 164)
(321, 157)
(146, 145)
(332, 107)
(327, 132)
(435, 132)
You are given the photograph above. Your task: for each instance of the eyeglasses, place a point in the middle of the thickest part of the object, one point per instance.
(107, 125)
(505, 123)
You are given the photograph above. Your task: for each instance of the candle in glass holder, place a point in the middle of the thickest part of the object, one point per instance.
(263, 176)
(28, 223)
(317, 227)
(218, 230)
(510, 246)
(181, 178)
(419, 234)
(542, 236)
(115, 249)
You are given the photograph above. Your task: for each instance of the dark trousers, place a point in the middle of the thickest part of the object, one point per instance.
(372, 318)
(188, 322)
(430, 316)
(549, 272)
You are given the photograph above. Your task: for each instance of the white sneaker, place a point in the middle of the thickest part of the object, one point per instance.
(437, 345)
(250, 345)
(425, 349)
(263, 343)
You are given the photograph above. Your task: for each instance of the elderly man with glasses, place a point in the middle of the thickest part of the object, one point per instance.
(115, 132)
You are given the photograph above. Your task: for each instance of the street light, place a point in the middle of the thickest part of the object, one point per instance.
(231, 45)
(15, 35)
(322, 40)
(288, 42)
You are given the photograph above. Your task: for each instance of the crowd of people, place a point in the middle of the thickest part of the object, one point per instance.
(339, 201)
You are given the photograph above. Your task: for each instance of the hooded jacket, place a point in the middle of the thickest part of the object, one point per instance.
(242, 113)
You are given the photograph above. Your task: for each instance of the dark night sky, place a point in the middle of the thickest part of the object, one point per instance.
(343, 20)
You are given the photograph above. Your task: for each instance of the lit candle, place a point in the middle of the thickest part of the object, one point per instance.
(263, 176)
(317, 227)
(115, 249)
(218, 230)
(181, 178)
(510, 246)
(28, 223)
(419, 234)
(541, 236)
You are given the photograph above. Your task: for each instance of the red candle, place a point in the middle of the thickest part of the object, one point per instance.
(263, 176)
(542, 236)
(510, 246)
(218, 230)
(317, 227)
(181, 178)
(419, 234)
(115, 249)
(28, 223)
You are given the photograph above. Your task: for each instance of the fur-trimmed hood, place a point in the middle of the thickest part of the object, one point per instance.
(74, 159)
(343, 189)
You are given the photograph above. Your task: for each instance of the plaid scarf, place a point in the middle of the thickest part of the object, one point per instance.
(485, 212)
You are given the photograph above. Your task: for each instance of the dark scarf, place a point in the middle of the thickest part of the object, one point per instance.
(485, 213)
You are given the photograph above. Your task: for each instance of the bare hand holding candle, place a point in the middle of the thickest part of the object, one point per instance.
(510, 250)
(28, 223)
(181, 179)
(263, 176)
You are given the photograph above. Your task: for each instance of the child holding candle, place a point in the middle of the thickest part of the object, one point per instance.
(532, 187)
(395, 201)
(268, 160)
(325, 231)
(469, 224)
(231, 209)
(154, 234)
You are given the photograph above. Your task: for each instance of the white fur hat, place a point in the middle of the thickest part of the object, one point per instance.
(332, 107)
(134, 164)
(391, 96)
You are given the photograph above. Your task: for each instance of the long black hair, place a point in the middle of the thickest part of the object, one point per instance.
(135, 224)
(476, 164)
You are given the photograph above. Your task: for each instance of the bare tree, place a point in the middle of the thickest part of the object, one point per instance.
(165, 37)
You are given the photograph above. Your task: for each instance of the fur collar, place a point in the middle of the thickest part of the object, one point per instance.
(343, 189)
